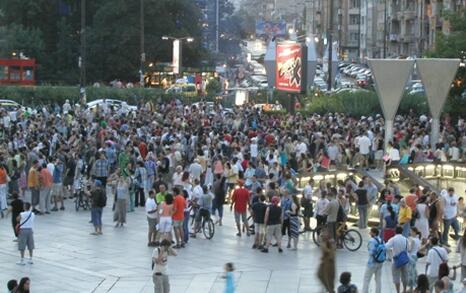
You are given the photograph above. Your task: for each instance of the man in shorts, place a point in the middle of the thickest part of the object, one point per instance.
(179, 204)
(26, 236)
(240, 200)
(151, 212)
(258, 214)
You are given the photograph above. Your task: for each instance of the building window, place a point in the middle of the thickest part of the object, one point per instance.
(354, 19)
(354, 37)
(354, 3)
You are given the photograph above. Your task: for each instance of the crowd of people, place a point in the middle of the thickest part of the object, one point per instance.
(180, 161)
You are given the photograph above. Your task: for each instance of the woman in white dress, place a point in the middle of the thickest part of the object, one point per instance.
(422, 222)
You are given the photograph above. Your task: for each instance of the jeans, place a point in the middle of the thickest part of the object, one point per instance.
(186, 226)
(96, 216)
(376, 270)
(44, 200)
(406, 229)
(362, 210)
(217, 207)
(446, 228)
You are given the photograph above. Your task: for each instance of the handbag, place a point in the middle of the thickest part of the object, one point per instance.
(18, 226)
(402, 258)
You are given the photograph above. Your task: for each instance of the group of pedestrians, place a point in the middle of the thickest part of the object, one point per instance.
(182, 161)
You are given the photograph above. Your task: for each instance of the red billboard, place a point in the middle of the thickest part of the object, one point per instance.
(289, 71)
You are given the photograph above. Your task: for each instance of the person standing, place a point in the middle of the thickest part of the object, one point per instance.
(240, 200)
(17, 206)
(159, 265)
(166, 222)
(415, 245)
(422, 222)
(321, 207)
(57, 185)
(450, 211)
(399, 247)
(34, 185)
(362, 202)
(435, 214)
(404, 217)
(374, 265)
(46, 180)
(332, 214)
(273, 221)
(122, 195)
(151, 213)
(285, 204)
(99, 201)
(306, 203)
(435, 257)
(258, 213)
(26, 234)
(294, 221)
(219, 190)
(179, 205)
(100, 169)
(4, 179)
(140, 176)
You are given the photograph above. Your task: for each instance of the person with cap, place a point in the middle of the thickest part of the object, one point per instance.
(240, 201)
(99, 201)
(273, 221)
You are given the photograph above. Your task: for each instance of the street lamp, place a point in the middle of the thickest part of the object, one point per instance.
(177, 45)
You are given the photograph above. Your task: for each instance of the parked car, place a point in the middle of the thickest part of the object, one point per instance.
(115, 105)
(187, 90)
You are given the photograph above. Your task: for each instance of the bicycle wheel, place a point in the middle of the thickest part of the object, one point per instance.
(352, 240)
(316, 235)
(208, 228)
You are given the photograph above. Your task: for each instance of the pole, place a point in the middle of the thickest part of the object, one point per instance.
(330, 47)
(82, 79)
(359, 32)
(143, 54)
(421, 28)
(216, 24)
(385, 30)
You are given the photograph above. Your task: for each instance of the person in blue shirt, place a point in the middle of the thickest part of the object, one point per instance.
(286, 209)
(373, 267)
(229, 280)
(57, 185)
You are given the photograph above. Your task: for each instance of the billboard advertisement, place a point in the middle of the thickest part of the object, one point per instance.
(270, 28)
(176, 56)
(289, 69)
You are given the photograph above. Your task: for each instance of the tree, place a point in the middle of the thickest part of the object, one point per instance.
(17, 38)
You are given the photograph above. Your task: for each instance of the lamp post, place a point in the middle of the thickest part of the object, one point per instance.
(177, 46)
(82, 58)
(143, 54)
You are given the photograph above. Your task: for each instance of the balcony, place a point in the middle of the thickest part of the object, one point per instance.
(393, 37)
(409, 14)
(408, 38)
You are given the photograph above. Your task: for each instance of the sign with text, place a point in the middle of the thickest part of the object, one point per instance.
(289, 68)
(270, 28)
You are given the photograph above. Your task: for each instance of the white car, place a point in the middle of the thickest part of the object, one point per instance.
(113, 104)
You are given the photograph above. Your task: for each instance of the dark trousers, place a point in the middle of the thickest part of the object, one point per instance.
(139, 199)
(286, 227)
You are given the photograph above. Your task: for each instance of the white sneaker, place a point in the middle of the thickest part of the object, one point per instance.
(21, 262)
(30, 261)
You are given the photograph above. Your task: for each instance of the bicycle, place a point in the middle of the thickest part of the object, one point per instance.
(351, 239)
(81, 200)
(207, 224)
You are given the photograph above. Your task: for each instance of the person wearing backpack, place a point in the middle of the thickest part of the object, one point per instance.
(99, 201)
(399, 247)
(435, 257)
(377, 256)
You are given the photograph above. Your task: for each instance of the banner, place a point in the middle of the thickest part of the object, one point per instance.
(289, 70)
(176, 56)
(270, 28)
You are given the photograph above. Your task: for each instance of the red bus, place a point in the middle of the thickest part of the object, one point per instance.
(18, 71)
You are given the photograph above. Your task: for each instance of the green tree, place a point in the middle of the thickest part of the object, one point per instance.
(17, 38)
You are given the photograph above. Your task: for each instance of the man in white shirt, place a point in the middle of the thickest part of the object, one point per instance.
(151, 212)
(454, 152)
(364, 144)
(159, 265)
(395, 246)
(306, 202)
(195, 169)
(254, 149)
(450, 211)
(26, 236)
(435, 257)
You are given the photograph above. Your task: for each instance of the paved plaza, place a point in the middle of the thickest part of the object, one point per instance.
(68, 259)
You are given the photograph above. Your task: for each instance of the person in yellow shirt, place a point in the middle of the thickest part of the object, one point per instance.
(34, 184)
(404, 217)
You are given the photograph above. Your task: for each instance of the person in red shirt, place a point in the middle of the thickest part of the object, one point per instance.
(179, 205)
(411, 199)
(240, 200)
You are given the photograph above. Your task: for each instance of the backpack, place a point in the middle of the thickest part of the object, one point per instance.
(380, 251)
